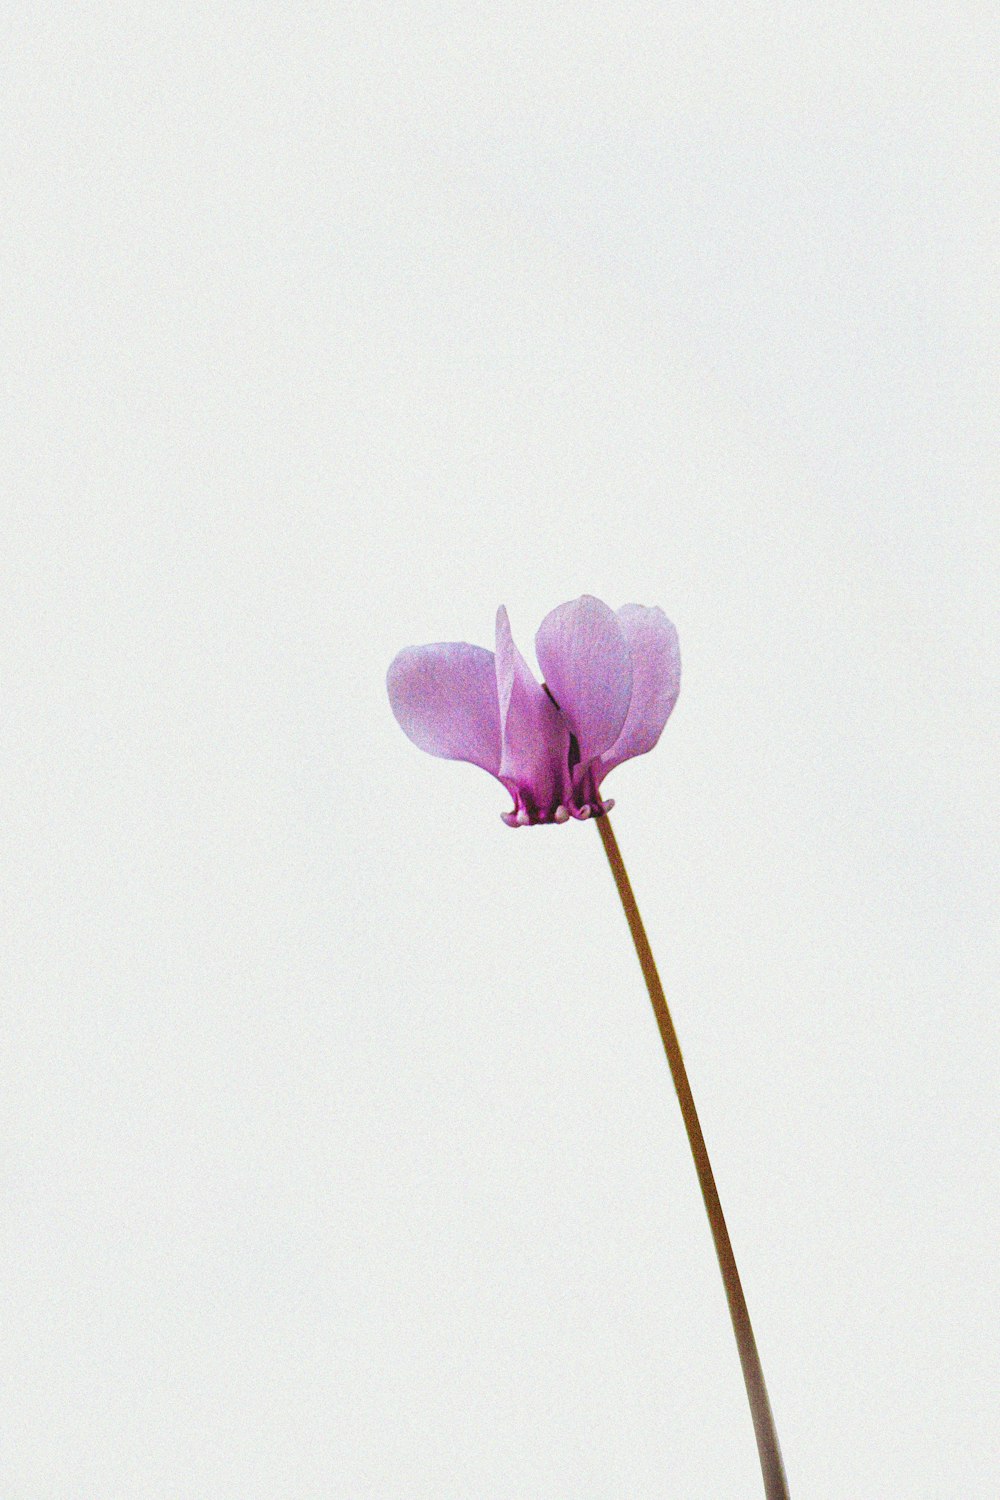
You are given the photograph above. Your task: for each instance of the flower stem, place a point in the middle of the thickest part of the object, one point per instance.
(772, 1468)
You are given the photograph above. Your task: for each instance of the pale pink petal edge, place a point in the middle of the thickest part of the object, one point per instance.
(656, 678)
(444, 698)
(587, 667)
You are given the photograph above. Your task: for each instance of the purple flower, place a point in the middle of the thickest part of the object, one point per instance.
(610, 683)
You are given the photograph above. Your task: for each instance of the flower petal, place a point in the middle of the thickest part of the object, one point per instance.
(534, 736)
(445, 700)
(587, 667)
(656, 680)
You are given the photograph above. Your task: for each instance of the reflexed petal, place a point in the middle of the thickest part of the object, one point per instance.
(445, 699)
(656, 681)
(534, 736)
(587, 667)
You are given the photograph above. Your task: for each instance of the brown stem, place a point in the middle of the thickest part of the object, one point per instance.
(775, 1484)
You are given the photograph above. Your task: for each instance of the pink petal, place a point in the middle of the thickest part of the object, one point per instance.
(534, 736)
(656, 681)
(588, 670)
(445, 699)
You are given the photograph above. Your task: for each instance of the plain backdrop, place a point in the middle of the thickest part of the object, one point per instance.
(339, 1152)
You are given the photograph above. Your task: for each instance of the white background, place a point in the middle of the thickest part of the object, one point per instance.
(340, 1158)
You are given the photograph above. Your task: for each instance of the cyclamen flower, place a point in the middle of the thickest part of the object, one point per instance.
(611, 681)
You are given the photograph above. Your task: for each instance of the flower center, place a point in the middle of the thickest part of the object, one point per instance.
(582, 798)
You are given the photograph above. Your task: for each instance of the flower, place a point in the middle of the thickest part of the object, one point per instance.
(611, 681)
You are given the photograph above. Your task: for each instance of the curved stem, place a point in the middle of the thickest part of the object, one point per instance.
(775, 1483)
